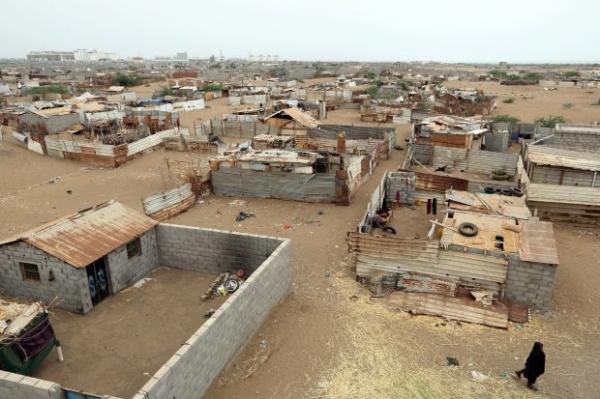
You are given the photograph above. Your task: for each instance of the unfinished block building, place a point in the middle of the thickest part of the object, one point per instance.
(84, 259)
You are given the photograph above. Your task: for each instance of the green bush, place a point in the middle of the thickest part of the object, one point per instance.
(213, 87)
(550, 121)
(504, 119)
(122, 79)
(568, 105)
(43, 90)
(509, 100)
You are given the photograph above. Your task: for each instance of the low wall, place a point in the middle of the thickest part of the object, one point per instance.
(211, 251)
(235, 182)
(16, 386)
(190, 372)
(530, 283)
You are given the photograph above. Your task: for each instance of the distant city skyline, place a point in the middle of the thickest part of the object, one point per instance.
(467, 31)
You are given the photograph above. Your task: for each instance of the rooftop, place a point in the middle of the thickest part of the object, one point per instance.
(552, 156)
(85, 236)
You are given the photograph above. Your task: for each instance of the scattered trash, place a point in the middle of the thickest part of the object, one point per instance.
(287, 226)
(320, 212)
(452, 361)
(231, 285)
(243, 216)
(69, 192)
(210, 312)
(54, 180)
(327, 274)
(224, 284)
(478, 376)
(142, 281)
(238, 202)
(354, 298)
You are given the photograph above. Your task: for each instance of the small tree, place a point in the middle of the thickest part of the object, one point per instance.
(123, 79)
(213, 87)
(509, 100)
(550, 121)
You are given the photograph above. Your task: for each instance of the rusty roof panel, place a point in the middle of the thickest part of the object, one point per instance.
(440, 183)
(86, 236)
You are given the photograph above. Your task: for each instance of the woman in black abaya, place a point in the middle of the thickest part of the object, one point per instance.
(534, 366)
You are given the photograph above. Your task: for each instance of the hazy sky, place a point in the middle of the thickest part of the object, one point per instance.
(367, 30)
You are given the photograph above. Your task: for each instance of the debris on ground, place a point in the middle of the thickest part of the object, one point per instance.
(452, 361)
(224, 284)
(140, 283)
(208, 314)
(54, 180)
(238, 202)
(243, 216)
(69, 192)
(478, 376)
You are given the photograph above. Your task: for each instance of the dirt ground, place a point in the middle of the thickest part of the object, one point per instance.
(117, 347)
(329, 339)
(532, 102)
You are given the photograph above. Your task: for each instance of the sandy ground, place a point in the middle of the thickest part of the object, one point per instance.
(320, 343)
(128, 336)
(532, 102)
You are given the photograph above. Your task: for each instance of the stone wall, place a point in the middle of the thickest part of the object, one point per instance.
(124, 271)
(190, 372)
(530, 283)
(69, 284)
(16, 386)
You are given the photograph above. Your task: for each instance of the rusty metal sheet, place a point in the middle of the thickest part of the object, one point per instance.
(440, 183)
(86, 236)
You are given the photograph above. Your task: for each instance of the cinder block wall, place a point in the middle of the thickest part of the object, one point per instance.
(530, 283)
(16, 386)
(126, 271)
(190, 372)
(211, 251)
(69, 284)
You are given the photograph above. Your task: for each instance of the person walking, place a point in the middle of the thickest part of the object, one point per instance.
(534, 366)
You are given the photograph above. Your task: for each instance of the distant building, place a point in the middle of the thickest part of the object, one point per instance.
(77, 55)
(58, 56)
(181, 56)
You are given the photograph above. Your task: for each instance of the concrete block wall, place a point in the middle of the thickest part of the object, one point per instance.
(211, 251)
(69, 284)
(190, 372)
(530, 283)
(126, 271)
(16, 386)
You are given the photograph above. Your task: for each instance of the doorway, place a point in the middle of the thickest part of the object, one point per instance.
(98, 280)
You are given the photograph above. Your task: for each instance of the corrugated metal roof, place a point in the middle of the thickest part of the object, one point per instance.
(86, 236)
(299, 116)
(552, 156)
(538, 243)
(556, 194)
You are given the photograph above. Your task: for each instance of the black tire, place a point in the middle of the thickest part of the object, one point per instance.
(468, 229)
(489, 190)
(508, 192)
(517, 192)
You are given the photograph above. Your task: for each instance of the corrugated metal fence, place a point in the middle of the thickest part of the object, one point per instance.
(290, 186)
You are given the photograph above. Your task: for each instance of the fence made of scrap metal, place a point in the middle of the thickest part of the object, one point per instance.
(236, 182)
(169, 203)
